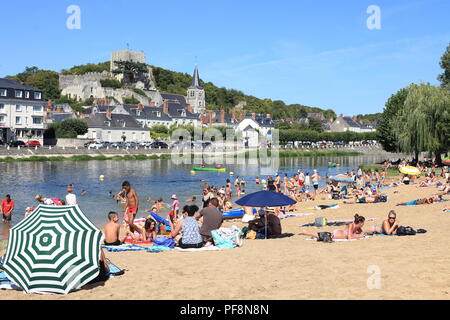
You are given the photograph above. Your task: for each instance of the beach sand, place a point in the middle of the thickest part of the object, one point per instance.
(415, 267)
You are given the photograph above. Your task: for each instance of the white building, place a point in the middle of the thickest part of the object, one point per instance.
(21, 111)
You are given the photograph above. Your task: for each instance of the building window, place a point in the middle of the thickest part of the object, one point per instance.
(37, 108)
(37, 120)
(18, 120)
(18, 93)
(38, 95)
(27, 94)
(2, 119)
(2, 106)
(3, 92)
(18, 108)
(192, 94)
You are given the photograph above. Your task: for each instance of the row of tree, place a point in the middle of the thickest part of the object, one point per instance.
(417, 118)
(314, 136)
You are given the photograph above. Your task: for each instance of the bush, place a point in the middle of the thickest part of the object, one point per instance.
(111, 83)
(131, 100)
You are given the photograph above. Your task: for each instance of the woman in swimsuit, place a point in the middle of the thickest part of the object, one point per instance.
(389, 226)
(353, 231)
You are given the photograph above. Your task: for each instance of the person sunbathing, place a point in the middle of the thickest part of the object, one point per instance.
(353, 231)
(389, 226)
(417, 202)
(364, 199)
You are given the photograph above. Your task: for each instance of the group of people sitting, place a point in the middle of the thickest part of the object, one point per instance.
(191, 230)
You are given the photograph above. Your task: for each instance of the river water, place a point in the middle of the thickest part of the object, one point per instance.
(150, 178)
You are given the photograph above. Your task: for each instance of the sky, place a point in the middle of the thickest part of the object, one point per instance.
(318, 53)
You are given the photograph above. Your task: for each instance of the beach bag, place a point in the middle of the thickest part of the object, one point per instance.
(221, 242)
(383, 198)
(321, 222)
(251, 235)
(164, 242)
(325, 237)
(405, 231)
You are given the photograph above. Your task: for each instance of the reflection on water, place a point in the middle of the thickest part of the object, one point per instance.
(154, 178)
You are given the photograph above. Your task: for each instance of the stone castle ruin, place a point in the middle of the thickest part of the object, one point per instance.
(84, 87)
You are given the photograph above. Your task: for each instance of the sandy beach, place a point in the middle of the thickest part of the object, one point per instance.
(415, 267)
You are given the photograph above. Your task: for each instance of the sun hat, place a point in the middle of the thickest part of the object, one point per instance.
(69, 190)
(174, 197)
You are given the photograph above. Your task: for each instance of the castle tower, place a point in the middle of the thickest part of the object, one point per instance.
(196, 94)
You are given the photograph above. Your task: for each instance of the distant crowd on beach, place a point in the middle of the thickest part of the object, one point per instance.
(190, 226)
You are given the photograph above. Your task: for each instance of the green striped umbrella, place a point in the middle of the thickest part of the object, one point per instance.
(54, 250)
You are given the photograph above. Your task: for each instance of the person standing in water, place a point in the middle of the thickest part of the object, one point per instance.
(315, 180)
(6, 208)
(131, 206)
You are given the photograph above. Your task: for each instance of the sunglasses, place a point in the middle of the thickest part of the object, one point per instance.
(391, 218)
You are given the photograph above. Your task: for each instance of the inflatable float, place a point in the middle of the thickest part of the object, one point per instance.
(446, 161)
(236, 213)
(342, 179)
(412, 171)
(209, 169)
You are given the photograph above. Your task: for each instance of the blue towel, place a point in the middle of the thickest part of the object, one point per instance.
(133, 247)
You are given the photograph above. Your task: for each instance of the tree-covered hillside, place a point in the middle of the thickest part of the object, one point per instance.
(174, 82)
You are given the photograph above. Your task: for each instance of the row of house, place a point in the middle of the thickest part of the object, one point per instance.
(21, 111)
(24, 112)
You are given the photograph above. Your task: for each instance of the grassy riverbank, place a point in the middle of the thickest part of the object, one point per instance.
(282, 154)
(390, 172)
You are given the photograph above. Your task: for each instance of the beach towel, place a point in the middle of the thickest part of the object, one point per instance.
(124, 247)
(165, 242)
(6, 284)
(323, 207)
(294, 215)
(340, 240)
(445, 210)
(133, 247)
(210, 248)
(114, 271)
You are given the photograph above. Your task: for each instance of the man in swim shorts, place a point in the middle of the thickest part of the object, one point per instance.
(6, 208)
(131, 207)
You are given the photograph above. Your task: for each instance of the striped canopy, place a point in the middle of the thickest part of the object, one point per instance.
(54, 250)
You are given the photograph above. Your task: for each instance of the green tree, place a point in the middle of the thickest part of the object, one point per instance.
(46, 80)
(111, 83)
(394, 106)
(423, 123)
(444, 78)
(132, 71)
(131, 100)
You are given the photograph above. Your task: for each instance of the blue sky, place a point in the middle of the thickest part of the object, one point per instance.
(317, 53)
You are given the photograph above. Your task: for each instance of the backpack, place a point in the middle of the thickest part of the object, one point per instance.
(405, 231)
(321, 222)
(325, 237)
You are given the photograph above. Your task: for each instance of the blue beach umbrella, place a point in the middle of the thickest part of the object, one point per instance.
(265, 199)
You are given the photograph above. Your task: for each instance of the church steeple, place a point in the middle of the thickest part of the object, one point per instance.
(196, 80)
(196, 94)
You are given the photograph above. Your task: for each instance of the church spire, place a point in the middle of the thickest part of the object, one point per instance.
(196, 80)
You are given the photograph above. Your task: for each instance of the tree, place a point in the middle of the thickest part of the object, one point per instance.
(423, 123)
(73, 126)
(132, 72)
(46, 80)
(394, 105)
(444, 78)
